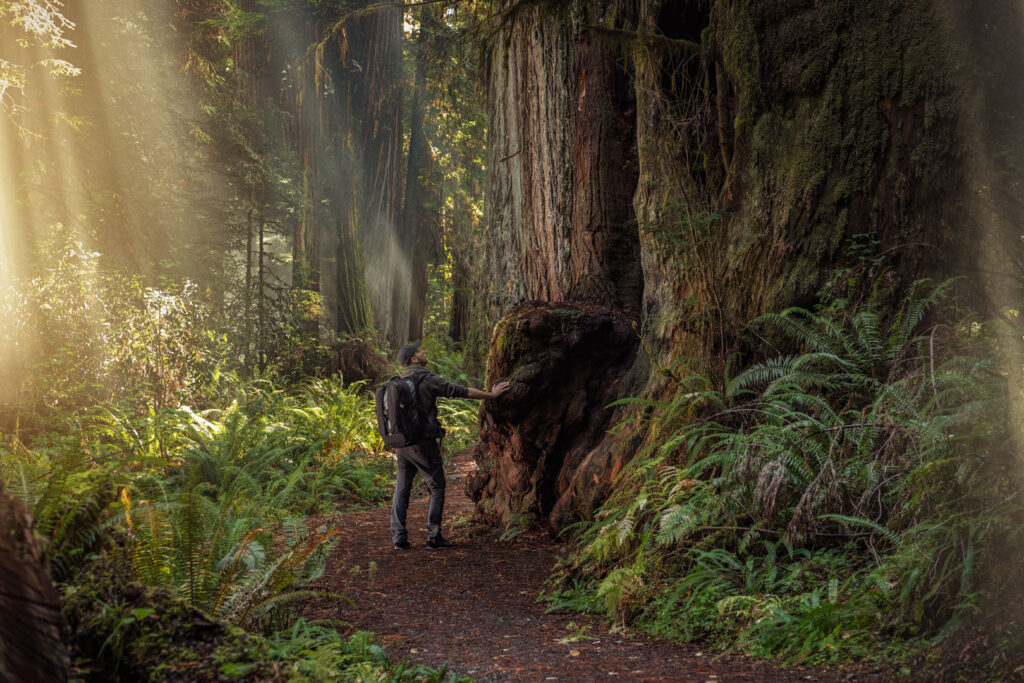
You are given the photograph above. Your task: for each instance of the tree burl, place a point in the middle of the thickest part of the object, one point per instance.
(565, 363)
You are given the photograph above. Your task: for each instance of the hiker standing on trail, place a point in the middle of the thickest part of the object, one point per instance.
(425, 454)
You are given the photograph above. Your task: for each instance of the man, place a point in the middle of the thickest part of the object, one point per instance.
(425, 456)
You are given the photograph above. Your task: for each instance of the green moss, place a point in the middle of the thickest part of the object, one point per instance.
(569, 315)
(819, 94)
(510, 339)
(120, 626)
(526, 374)
(740, 51)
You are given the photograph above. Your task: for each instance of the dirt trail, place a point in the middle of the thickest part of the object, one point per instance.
(474, 606)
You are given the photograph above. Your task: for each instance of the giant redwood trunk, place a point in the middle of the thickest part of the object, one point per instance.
(753, 156)
(562, 164)
(562, 167)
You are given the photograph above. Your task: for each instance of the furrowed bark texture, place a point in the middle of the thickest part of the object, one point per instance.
(562, 173)
(565, 363)
(779, 150)
(31, 626)
(375, 41)
(562, 164)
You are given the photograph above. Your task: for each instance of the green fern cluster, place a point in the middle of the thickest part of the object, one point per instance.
(816, 500)
(209, 504)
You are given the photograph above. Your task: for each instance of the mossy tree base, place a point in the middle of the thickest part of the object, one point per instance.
(782, 151)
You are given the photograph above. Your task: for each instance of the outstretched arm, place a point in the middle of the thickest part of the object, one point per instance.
(496, 391)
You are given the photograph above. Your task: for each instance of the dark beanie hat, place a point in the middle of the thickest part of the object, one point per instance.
(407, 351)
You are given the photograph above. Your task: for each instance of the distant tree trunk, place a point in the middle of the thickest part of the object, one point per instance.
(247, 295)
(261, 291)
(304, 130)
(338, 81)
(462, 296)
(415, 237)
(375, 46)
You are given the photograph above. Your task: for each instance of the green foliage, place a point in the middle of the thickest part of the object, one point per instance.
(41, 29)
(80, 335)
(315, 653)
(139, 633)
(208, 506)
(817, 500)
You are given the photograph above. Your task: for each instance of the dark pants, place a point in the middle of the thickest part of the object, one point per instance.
(426, 458)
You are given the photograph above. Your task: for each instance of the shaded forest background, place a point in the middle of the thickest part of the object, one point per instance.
(753, 270)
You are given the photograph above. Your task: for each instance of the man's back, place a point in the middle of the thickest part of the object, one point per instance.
(431, 387)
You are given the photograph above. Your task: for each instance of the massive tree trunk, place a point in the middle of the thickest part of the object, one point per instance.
(562, 169)
(375, 54)
(561, 164)
(779, 151)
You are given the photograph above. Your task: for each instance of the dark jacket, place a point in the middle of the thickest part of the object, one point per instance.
(432, 387)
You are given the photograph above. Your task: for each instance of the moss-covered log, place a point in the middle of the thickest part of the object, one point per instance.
(121, 630)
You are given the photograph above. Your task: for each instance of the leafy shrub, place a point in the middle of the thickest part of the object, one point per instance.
(209, 505)
(77, 336)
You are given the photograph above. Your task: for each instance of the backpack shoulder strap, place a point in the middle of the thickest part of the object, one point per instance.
(420, 376)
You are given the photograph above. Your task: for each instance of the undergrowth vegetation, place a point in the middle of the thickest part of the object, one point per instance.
(209, 506)
(147, 462)
(863, 490)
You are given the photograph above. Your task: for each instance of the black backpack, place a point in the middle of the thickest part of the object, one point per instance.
(401, 419)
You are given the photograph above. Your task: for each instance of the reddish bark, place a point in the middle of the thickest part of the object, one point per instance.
(565, 363)
(562, 165)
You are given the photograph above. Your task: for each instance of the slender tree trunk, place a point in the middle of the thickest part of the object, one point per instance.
(375, 44)
(415, 227)
(261, 301)
(462, 294)
(247, 295)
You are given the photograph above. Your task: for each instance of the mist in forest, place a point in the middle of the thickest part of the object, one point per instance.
(134, 151)
(994, 46)
(992, 58)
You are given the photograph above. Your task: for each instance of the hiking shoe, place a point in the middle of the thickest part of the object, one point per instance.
(439, 542)
(402, 545)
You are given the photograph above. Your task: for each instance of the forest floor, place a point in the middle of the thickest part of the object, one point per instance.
(475, 607)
